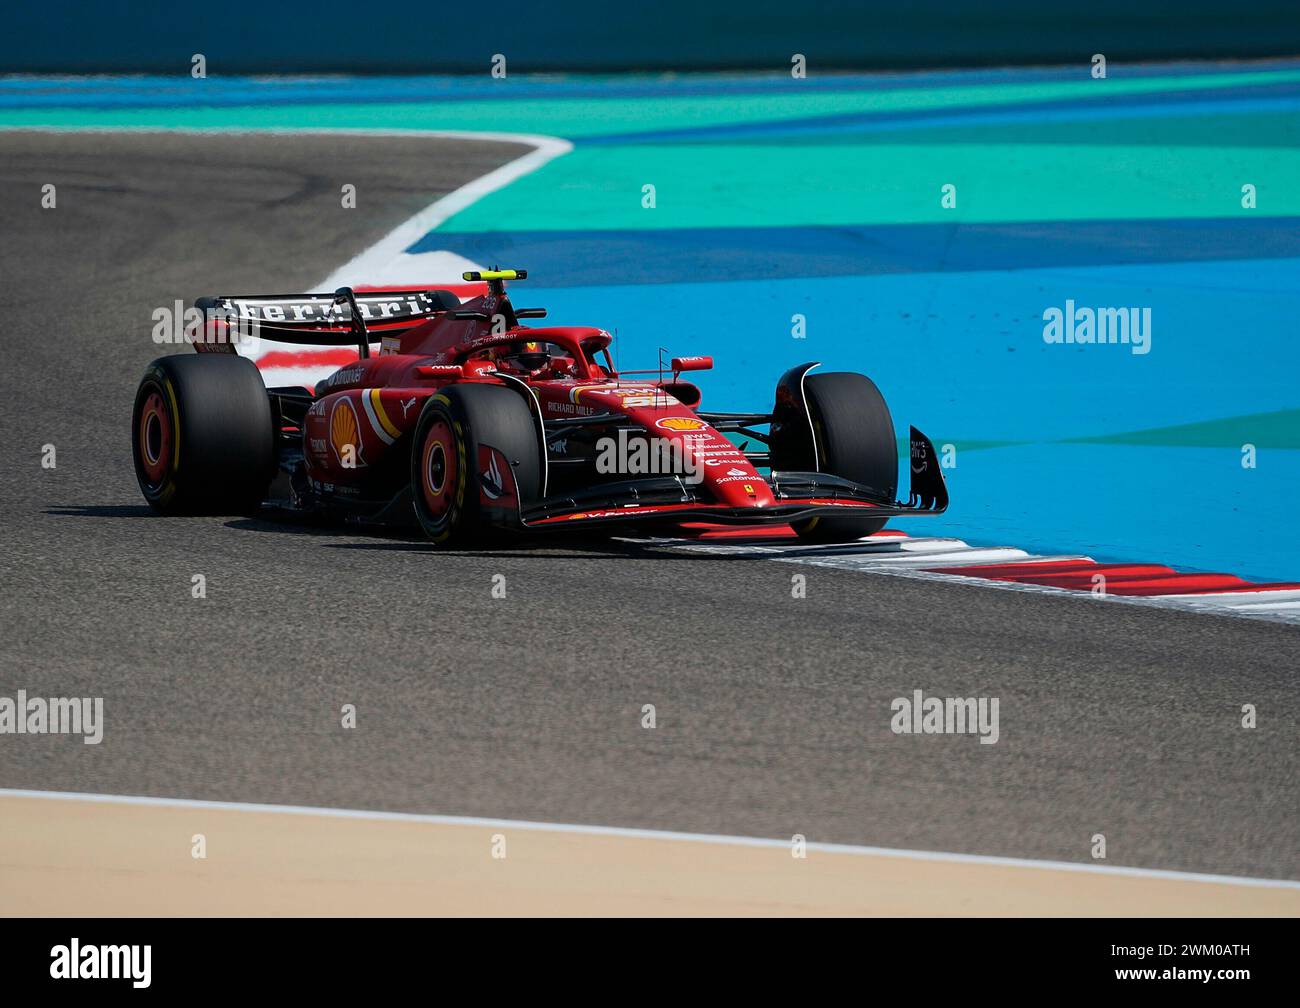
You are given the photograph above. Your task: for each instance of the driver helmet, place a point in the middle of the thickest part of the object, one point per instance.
(529, 356)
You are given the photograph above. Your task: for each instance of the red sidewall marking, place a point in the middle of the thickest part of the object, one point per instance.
(438, 469)
(155, 436)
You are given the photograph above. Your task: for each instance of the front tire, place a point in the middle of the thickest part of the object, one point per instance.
(202, 436)
(854, 437)
(452, 460)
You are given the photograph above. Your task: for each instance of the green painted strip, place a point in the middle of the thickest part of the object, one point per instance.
(1238, 129)
(731, 185)
(1052, 172)
(594, 117)
(1280, 429)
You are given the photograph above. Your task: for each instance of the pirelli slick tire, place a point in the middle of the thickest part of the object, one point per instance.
(202, 435)
(450, 476)
(854, 439)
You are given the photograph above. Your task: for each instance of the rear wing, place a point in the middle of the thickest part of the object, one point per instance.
(343, 318)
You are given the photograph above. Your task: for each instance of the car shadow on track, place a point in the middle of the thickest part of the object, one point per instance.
(386, 538)
(396, 539)
(549, 548)
(377, 538)
(266, 520)
(102, 511)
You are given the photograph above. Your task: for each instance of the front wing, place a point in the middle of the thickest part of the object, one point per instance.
(798, 496)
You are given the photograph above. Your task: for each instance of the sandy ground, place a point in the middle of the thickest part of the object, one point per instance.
(85, 857)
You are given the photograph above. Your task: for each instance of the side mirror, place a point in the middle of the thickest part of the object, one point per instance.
(440, 371)
(692, 364)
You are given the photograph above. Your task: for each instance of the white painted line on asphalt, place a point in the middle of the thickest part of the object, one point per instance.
(968, 557)
(1247, 598)
(387, 254)
(385, 262)
(1272, 607)
(648, 834)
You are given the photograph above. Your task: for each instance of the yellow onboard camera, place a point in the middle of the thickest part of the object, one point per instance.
(475, 275)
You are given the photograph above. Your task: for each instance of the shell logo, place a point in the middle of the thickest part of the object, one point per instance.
(681, 423)
(345, 434)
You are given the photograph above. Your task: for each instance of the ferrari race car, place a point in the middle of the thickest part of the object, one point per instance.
(472, 425)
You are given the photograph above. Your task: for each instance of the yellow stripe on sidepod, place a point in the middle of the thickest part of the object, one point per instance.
(388, 425)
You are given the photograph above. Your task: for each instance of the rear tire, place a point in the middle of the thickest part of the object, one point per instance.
(202, 435)
(855, 440)
(446, 464)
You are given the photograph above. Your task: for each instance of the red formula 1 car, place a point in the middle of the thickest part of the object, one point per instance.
(471, 425)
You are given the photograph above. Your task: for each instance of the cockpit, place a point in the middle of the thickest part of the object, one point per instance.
(540, 360)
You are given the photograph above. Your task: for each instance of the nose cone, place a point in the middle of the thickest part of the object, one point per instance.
(716, 464)
(735, 482)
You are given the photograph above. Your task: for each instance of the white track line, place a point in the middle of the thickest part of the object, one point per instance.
(388, 262)
(385, 261)
(367, 267)
(648, 834)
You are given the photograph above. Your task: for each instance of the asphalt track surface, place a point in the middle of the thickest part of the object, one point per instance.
(773, 713)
